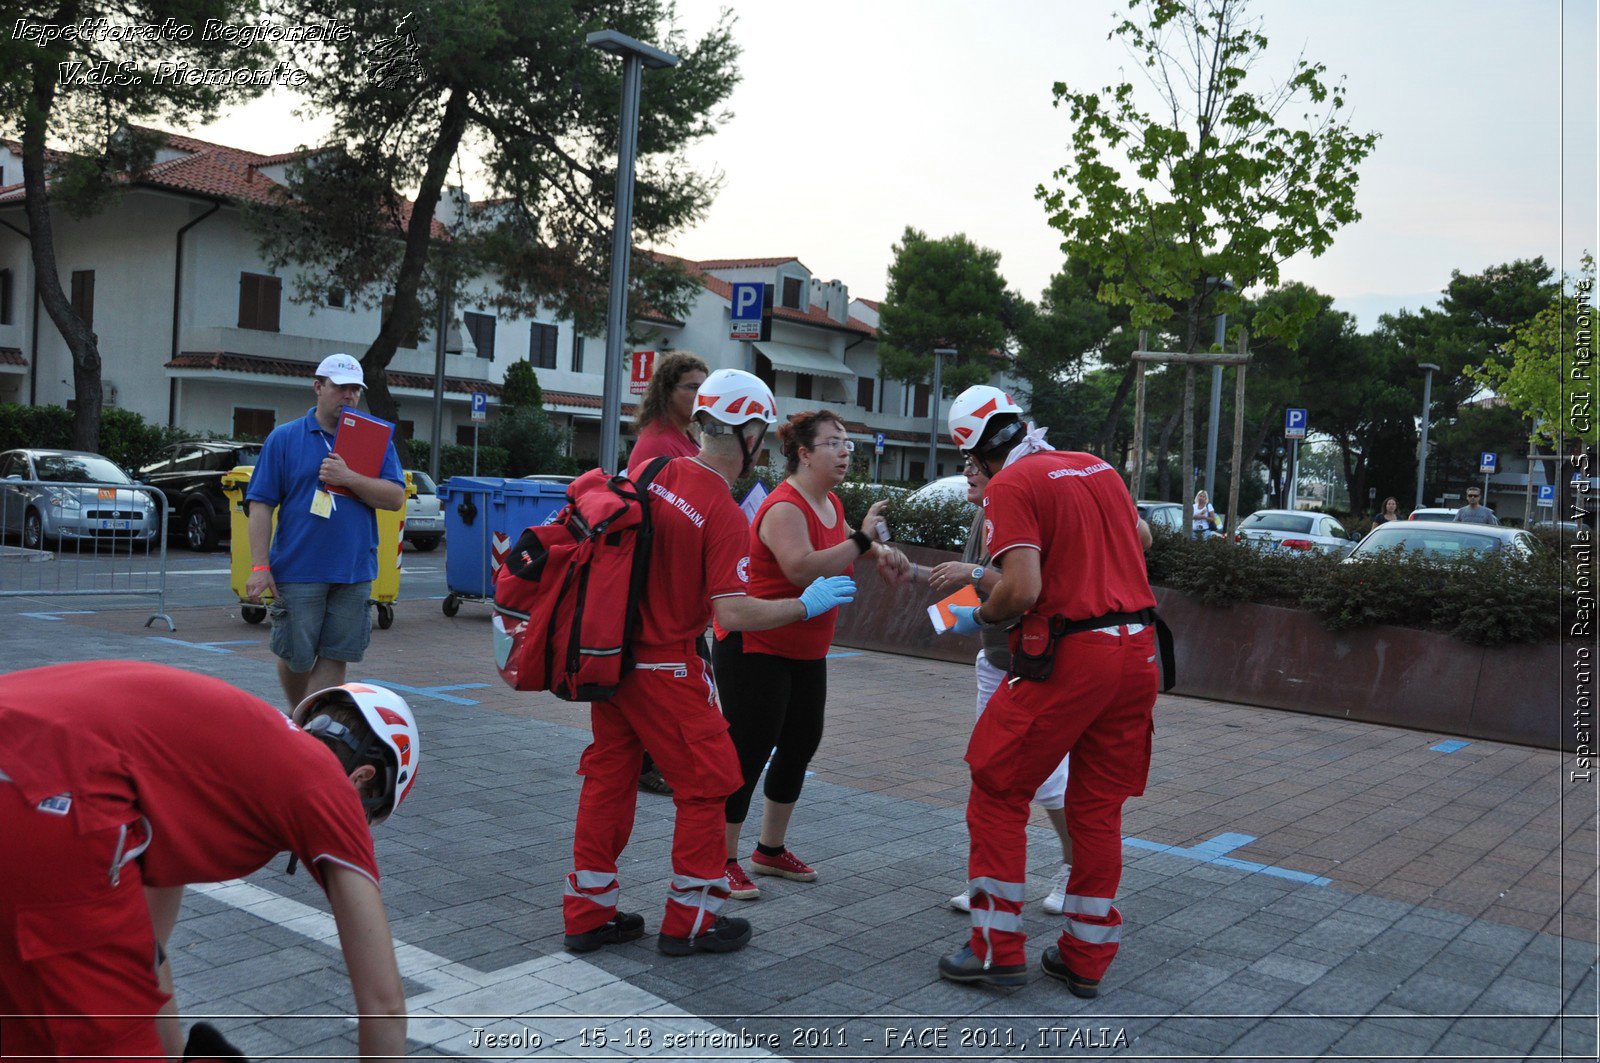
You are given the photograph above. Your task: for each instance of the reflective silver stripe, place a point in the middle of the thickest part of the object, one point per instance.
(1006, 891)
(705, 900)
(660, 666)
(594, 879)
(994, 919)
(1076, 905)
(696, 893)
(1094, 933)
(607, 899)
(122, 857)
(683, 882)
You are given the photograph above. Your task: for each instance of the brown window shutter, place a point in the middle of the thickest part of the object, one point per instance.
(271, 299)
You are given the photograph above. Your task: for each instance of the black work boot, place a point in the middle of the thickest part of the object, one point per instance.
(963, 965)
(1056, 967)
(727, 934)
(624, 926)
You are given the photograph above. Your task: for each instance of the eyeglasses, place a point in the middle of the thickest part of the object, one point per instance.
(846, 445)
(1471, 497)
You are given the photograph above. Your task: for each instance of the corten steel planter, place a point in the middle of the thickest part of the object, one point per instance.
(1286, 659)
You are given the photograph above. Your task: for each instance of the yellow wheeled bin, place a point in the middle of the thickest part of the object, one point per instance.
(385, 588)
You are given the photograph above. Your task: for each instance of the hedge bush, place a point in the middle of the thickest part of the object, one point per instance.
(1483, 599)
(455, 459)
(126, 438)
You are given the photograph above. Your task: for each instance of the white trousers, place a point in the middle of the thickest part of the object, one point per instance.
(1052, 793)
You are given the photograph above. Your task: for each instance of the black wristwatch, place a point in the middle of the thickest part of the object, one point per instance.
(863, 543)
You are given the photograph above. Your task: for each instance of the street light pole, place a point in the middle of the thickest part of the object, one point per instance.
(933, 429)
(1216, 397)
(1428, 369)
(636, 55)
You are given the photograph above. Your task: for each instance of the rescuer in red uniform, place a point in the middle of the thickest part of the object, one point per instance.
(698, 567)
(1083, 681)
(120, 783)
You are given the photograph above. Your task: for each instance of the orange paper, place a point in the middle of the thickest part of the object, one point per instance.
(943, 619)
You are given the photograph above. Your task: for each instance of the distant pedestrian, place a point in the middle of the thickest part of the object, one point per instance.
(1390, 512)
(1473, 512)
(666, 416)
(1203, 517)
(319, 563)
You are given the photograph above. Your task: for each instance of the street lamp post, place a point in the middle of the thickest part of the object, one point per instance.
(636, 55)
(1428, 369)
(1216, 396)
(933, 429)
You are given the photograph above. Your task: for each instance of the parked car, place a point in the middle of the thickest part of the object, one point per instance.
(944, 489)
(1443, 540)
(1569, 528)
(1293, 530)
(190, 478)
(1432, 514)
(424, 519)
(57, 510)
(1166, 516)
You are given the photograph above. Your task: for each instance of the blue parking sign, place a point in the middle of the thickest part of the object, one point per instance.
(1294, 424)
(1488, 461)
(745, 310)
(1547, 495)
(480, 406)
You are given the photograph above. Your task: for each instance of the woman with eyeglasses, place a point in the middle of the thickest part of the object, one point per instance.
(774, 684)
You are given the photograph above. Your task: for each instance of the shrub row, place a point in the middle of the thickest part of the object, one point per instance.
(125, 437)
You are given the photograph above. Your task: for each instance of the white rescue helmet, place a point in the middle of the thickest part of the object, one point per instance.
(735, 397)
(393, 738)
(972, 411)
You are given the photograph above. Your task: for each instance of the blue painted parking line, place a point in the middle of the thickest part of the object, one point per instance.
(1450, 746)
(436, 693)
(850, 653)
(1214, 850)
(208, 647)
(57, 614)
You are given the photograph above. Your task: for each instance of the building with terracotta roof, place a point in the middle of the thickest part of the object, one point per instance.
(196, 331)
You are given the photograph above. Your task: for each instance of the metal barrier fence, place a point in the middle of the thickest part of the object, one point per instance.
(84, 539)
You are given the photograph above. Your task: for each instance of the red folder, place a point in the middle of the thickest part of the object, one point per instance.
(362, 441)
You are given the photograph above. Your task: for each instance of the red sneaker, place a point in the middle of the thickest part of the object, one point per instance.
(784, 865)
(740, 888)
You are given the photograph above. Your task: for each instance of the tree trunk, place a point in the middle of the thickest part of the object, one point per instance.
(79, 339)
(1104, 439)
(1163, 447)
(405, 315)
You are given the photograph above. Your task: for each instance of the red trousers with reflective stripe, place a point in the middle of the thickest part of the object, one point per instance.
(673, 713)
(1097, 706)
(71, 942)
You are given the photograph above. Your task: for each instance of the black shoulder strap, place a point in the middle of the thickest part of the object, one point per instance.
(651, 471)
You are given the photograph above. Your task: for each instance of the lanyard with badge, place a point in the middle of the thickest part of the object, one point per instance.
(322, 502)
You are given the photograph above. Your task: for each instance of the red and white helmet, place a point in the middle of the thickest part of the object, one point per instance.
(735, 397)
(972, 411)
(394, 738)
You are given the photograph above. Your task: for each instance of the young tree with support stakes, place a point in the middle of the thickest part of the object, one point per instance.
(69, 95)
(418, 84)
(1221, 184)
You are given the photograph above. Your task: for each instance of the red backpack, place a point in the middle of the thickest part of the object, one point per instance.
(566, 602)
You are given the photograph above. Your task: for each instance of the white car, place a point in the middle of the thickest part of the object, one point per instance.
(1293, 530)
(1439, 540)
(944, 489)
(424, 518)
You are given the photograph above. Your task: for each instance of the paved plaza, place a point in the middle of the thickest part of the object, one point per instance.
(1295, 887)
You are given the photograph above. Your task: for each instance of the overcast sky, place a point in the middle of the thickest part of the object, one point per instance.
(857, 118)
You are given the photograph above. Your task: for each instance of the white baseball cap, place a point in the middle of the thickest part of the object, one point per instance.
(341, 369)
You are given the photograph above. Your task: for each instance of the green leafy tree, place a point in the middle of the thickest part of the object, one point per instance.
(1214, 184)
(68, 96)
(944, 293)
(1537, 373)
(418, 82)
(520, 389)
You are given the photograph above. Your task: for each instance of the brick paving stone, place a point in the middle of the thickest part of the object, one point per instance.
(1418, 846)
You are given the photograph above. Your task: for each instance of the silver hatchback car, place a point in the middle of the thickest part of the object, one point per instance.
(57, 509)
(1294, 531)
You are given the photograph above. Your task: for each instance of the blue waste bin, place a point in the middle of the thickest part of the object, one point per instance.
(483, 516)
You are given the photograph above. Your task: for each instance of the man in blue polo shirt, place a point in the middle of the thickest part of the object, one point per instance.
(324, 555)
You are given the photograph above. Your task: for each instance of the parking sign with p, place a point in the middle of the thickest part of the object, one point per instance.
(1294, 424)
(745, 311)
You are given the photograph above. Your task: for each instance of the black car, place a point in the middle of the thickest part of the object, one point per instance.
(190, 478)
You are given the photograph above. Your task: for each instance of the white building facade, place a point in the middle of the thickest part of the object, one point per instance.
(197, 332)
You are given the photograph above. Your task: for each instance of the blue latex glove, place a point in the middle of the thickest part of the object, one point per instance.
(827, 592)
(965, 623)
